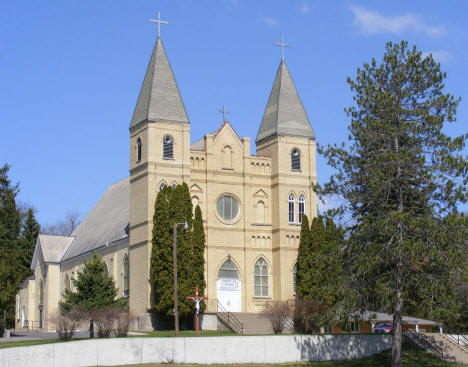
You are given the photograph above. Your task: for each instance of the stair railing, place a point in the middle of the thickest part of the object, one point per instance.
(460, 339)
(230, 319)
(427, 343)
(286, 320)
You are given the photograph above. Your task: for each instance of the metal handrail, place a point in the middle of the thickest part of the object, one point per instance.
(288, 321)
(229, 319)
(460, 339)
(426, 341)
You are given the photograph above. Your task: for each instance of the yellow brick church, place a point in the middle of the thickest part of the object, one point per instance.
(252, 205)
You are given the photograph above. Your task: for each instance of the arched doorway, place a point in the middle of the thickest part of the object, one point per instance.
(229, 287)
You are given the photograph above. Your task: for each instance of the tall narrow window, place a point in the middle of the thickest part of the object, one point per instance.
(227, 157)
(295, 160)
(126, 277)
(67, 282)
(301, 207)
(138, 150)
(162, 186)
(261, 279)
(291, 204)
(168, 147)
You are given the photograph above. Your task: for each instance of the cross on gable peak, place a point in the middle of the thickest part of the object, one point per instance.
(282, 45)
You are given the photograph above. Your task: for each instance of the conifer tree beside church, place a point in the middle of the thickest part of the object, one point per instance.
(303, 277)
(402, 178)
(198, 257)
(10, 226)
(28, 239)
(174, 205)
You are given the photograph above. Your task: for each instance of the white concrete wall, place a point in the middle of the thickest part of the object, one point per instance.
(231, 349)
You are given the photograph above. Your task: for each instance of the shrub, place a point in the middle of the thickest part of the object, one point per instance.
(278, 313)
(309, 316)
(124, 318)
(67, 322)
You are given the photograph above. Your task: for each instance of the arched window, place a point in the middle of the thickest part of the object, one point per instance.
(295, 278)
(138, 150)
(301, 207)
(295, 159)
(261, 288)
(168, 147)
(106, 269)
(195, 201)
(291, 205)
(228, 271)
(161, 186)
(67, 282)
(126, 277)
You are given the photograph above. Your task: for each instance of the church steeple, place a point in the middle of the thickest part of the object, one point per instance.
(159, 98)
(284, 114)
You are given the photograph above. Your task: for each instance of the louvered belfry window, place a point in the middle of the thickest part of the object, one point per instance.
(138, 150)
(296, 159)
(168, 147)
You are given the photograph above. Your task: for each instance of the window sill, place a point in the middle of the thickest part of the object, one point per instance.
(168, 159)
(295, 224)
(296, 170)
(228, 169)
(139, 161)
(261, 224)
(261, 297)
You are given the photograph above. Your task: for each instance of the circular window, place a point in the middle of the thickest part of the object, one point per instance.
(168, 139)
(227, 207)
(295, 152)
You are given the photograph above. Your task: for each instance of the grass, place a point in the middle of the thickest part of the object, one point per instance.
(412, 357)
(152, 334)
(186, 333)
(27, 343)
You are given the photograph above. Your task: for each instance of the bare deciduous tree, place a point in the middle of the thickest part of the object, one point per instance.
(63, 227)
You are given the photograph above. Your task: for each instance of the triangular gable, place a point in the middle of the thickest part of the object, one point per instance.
(227, 132)
(260, 193)
(195, 188)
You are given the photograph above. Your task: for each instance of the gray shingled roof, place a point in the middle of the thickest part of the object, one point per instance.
(198, 145)
(105, 223)
(284, 113)
(52, 248)
(159, 98)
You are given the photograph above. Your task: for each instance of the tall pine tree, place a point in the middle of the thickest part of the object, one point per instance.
(28, 239)
(198, 255)
(304, 276)
(402, 178)
(174, 205)
(10, 226)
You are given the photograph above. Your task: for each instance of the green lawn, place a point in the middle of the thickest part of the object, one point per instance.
(186, 333)
(26, 343)
(412, 357)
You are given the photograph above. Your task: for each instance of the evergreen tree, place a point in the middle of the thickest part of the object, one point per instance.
(10, 225)
(161, 256)
(28, 238)
(402, 178)
(174, 205)
(303, 276)
(198, 257)
(95, 290)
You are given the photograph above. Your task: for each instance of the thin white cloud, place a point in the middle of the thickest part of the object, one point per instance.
(269, 21)
(304, 7)
(440, 55)
(373, 22)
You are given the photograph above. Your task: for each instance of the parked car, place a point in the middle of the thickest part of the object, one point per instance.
(384, 327)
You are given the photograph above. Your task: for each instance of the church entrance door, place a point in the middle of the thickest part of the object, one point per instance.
(229, 287)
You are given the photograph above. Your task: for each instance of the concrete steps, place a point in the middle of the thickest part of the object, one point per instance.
(443, 346)
(254, 323)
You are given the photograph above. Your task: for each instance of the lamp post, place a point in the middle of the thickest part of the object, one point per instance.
(176, 305)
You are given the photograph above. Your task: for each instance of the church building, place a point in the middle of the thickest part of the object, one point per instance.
(252, 205)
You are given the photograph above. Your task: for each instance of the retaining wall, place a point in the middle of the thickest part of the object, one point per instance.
(228, 349)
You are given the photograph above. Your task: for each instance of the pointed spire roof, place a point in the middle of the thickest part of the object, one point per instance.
(159, 98)
(284, 113)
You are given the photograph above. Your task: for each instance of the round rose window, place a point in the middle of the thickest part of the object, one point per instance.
(227, 207)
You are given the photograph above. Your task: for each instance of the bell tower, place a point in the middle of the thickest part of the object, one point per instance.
(159, 154)
(286, 136)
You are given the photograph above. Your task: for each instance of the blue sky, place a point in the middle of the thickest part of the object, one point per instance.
(70, 74)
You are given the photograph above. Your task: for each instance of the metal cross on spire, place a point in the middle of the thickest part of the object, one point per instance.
(159, 21)
(224, 112)
(282, 45)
